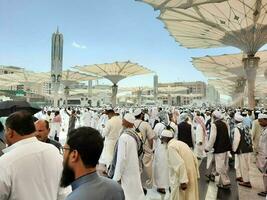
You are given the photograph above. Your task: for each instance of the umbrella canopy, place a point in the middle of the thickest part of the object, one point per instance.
(9, 107)
(229, 72)
(159, 4)
(115, 71)
(238, 23)
(229, 65)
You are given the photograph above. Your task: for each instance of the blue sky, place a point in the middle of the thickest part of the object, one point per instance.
(95, 31)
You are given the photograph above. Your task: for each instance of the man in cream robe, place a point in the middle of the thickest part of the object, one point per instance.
(147, 135)
(111, 133)
(183, 168)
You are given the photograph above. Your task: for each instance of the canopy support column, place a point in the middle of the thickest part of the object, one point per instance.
(251, 65)
(139, 97)
(114, 94)
(90, 86)
(169, 99)
(238, 96)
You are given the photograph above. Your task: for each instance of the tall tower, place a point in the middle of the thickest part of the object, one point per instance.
(56, 63)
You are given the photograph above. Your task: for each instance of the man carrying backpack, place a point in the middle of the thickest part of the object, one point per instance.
(242, 146)
(145, 131)
(127, 166)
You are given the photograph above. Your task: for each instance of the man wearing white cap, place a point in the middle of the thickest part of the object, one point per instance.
(262, 152)
(146, 133)
(127, 170)
(183, 168)
(242, 146)
(256, 132)
(220, 141)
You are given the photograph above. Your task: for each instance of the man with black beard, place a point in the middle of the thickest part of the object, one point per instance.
(81, 154)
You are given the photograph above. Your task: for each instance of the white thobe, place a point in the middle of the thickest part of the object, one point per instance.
(86, 119)
(160, 164)
(111, 133)
(102, 123)
(200, 137)
(94, 120)
(30, 169)
(127, 168)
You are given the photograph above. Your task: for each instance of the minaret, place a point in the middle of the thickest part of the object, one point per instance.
(56, 62)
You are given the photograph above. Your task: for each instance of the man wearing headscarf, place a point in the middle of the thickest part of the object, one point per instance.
(147, 134)
(184, 133)
(183, 168)
(220, 141)
(201, 136)
(242, 145)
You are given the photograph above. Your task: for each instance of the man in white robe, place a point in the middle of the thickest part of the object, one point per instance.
(160, 163)
(183, 168)
(127, 170)
(200, 134)
(111, 133)
(86, 118)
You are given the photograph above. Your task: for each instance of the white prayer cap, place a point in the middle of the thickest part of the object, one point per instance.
(217, 114)
(262, 116)
(238, 117)
(183, 116)
(245, 112)
(167, 133)
(129, 118)
(137, 112)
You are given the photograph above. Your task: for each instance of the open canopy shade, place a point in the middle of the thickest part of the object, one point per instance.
(227, 87)
(70, 77)
(238, 23)
(227, 66)
(114, 71)
(159, 4)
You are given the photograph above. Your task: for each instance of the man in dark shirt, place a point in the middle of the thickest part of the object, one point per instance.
(42, 132)
(80, 157)
(184, 130)
(72, 120)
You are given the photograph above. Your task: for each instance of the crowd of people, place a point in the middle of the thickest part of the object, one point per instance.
(121, 153)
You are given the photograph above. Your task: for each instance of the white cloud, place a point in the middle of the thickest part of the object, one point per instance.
(79, 46)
